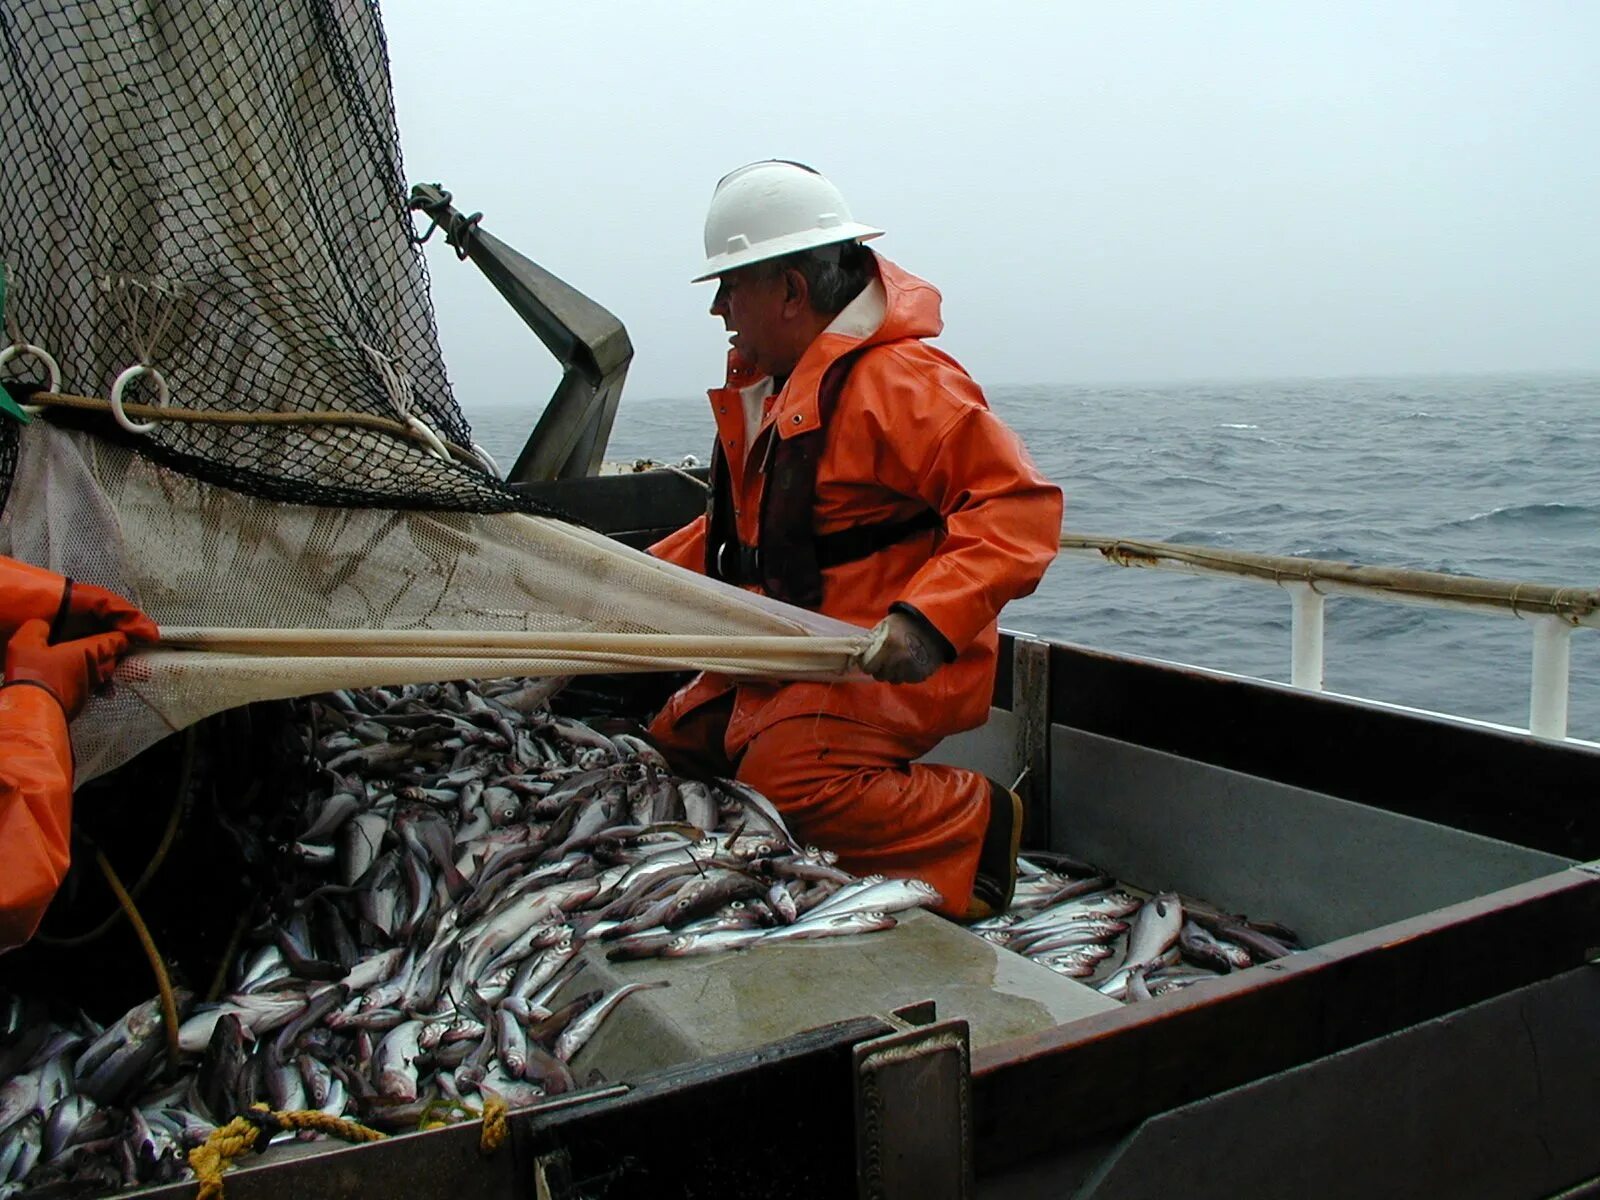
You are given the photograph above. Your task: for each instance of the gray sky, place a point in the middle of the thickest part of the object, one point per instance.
(1101, 192)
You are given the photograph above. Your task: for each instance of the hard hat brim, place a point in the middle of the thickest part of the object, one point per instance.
(810, 239)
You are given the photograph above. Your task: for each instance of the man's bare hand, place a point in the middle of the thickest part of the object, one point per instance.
(902, 650)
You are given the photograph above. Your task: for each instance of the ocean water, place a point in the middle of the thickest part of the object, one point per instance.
(1495, 476)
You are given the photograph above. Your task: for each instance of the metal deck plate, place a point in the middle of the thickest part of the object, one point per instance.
(744, 999)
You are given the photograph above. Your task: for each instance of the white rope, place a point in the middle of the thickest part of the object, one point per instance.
(148, 307)
(397, 386)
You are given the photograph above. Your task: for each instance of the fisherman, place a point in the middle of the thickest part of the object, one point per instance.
(858, 472)
(46, 683)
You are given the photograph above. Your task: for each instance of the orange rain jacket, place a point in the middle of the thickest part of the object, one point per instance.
(35, 808)
(912, 430)
(35, 751)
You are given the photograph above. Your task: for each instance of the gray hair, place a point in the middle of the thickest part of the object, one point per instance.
(834, 274)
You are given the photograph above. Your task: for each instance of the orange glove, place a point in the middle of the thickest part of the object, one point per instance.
(28, 592)
(68, 670)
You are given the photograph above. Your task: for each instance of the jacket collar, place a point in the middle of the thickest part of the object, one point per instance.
(796, 409)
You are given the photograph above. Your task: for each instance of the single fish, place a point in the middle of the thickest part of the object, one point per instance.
(1199, 946)
(19, 1096)
(824, 925)
(575, 1036)
(119, 1056)
(883, 896)
(394, 1062)
(360, 841)
(511, 1042)
(1155, 930)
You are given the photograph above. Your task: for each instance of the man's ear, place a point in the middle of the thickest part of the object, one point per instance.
(796, 293)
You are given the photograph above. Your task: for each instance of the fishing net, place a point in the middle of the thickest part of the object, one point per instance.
(206, 204)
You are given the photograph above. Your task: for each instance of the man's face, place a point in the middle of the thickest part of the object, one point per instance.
(752, 303)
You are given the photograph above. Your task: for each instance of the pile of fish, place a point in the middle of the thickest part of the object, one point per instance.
(463, 847)
(1070, 917)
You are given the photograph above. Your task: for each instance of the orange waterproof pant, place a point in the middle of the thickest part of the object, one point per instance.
(853, 789)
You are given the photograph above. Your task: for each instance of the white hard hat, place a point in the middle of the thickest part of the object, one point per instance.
(772, 208)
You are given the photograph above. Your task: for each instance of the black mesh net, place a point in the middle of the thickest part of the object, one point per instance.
(215, 190)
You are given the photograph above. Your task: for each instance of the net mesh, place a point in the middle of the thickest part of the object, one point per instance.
(215, 190)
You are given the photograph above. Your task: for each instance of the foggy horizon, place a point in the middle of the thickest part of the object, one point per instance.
(1159, 195)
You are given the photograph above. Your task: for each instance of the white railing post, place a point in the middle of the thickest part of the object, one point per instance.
(1552, 661)
(1305, 665)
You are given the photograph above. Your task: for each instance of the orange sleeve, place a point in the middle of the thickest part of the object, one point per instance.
(686, 547)
(35, 808)
(935, 438)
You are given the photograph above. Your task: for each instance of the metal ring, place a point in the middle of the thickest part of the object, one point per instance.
(17, 350)
(123, 380)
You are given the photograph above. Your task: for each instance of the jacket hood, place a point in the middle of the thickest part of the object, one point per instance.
(897, 305)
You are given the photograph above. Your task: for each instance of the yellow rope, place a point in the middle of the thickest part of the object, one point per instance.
(495, 1127)
(221, 1147)
(150, 412)
(238, 1137)
(169, 1001)
(174, 820)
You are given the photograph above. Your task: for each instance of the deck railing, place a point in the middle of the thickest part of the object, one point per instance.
(1552, 612)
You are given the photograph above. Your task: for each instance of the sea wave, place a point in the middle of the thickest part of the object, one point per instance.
(1530, 514)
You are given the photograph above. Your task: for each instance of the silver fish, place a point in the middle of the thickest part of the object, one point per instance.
(687, 945)
(511, 1042)
(19, 1096)
(576, 1035)
(843, 924)
(360, 840)
(1155, 930)
(394, 1062)
(884, 896)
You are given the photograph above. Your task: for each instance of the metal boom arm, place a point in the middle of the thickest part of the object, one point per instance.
(589, 342)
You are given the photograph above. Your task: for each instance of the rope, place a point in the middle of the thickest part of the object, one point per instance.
(170, 835)
(239, 1136)
(1575, 605)
(650, 464)
(150, 412)
(169, 1002)
(495, 1126)
(220, 979)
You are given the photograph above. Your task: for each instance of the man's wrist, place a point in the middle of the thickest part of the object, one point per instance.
(43, 687)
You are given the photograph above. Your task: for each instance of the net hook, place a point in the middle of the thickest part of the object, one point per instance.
(18, 350)
(163, 396)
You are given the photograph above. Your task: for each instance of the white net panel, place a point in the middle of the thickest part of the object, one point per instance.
(196, 555)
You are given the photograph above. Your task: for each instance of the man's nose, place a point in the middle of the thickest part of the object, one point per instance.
(719, 302)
